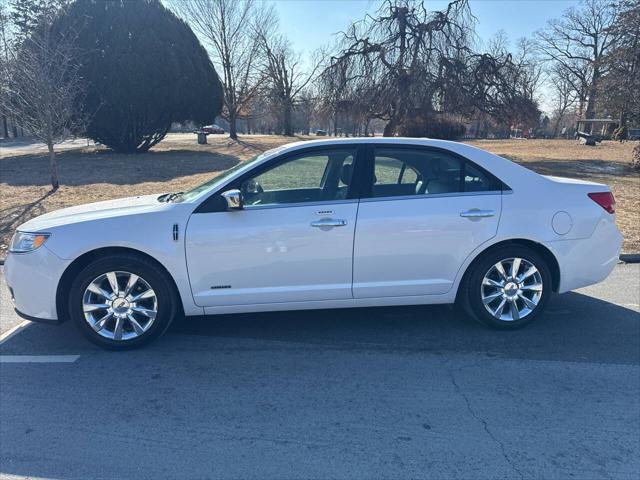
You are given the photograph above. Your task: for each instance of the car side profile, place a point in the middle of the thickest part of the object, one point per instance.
(320, 224)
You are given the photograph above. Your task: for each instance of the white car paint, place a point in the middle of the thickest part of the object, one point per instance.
(280, 258)
(411, 259)
(275, 260)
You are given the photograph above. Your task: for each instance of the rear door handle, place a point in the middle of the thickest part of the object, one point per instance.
(476, 213)
(329, 222)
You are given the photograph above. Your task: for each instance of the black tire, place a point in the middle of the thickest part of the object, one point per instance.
(471, 299)
(153, 275)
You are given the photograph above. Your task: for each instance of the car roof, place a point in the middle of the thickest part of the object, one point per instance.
(390, 140)
(462, 149)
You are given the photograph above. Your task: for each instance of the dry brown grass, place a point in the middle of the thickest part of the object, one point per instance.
(88, 174)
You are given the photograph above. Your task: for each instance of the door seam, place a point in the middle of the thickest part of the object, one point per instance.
(353, 249)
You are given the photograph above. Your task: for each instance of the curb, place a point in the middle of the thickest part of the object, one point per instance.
(624, 258)
(630, 257)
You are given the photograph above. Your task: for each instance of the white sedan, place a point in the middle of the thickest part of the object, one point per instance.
(321, 224)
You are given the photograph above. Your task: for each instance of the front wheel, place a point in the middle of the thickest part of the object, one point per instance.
(509, 287)
(122, 302)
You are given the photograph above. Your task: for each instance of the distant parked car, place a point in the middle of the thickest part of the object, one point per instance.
(215, 129)
(633, 134)
(321, 133)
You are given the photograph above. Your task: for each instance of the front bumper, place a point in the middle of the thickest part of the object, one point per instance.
(36, 319)
(33, 280)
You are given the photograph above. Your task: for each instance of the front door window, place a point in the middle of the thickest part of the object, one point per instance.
(312, 177)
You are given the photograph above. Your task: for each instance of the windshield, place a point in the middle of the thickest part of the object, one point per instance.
(216, 181)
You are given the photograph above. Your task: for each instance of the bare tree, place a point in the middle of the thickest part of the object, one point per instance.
(305, 110)
(402, 57)
(284, 71)
(579, 41)
(562, 82)
(530, 68)
(408, 65)
(6, 54)
(44, 89)
(623, 64)
(512, 96)
(227, 27)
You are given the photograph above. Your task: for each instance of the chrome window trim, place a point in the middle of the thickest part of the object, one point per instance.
(432, 195)
(299, 204)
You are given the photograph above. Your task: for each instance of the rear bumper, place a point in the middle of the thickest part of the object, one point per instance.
(589, 260)
(33, 280)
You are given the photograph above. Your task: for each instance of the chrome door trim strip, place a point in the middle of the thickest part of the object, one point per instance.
(433, 195)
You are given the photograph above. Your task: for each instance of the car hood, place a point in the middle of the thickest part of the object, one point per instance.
(95, 211)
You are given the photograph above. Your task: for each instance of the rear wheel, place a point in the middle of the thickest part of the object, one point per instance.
(122, 302)
(509, 287)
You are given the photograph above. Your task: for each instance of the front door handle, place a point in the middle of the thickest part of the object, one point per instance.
(476, 213)
(329, 222)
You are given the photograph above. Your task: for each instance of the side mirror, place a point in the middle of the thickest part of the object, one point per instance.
(234, 199)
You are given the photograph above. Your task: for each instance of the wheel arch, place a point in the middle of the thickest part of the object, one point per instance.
(548, 256)
(83, 260)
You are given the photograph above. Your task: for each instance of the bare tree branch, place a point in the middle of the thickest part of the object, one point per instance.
(44, 88)
(579, 41)
(226, 26)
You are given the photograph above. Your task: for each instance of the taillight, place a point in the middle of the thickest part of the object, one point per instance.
(605, 200)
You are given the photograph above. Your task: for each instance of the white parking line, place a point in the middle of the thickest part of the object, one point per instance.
(12, 331)
(38, 358)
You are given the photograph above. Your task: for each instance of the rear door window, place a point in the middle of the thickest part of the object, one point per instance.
(408, 172)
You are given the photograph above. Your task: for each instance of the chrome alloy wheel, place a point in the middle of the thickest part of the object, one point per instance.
(511, 289)
(119, 305)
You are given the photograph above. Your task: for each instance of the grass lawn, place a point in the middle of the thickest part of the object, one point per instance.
(88, 174)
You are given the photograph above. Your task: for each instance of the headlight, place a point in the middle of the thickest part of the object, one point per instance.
(26, 242)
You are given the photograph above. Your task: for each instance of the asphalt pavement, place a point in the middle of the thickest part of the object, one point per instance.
(404, 392)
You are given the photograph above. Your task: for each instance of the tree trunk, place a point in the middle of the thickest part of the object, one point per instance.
(556, 127)
(53, 167)
(623, 116)
(5, 127)
(390, 128)
(593, 92)
(581, 103)
(288, 127)
(233, 133)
